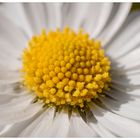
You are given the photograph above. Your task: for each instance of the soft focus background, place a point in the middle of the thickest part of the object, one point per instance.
(135, 6)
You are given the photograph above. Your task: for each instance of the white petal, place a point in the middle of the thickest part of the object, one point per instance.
(14, 104)
(130, 61)
(129, 109)
(10, 64)
(1, 128)
(123, 95)
(7, 76)
(60, 126)
(78, 15)
(12, 42)
(79, 128)
(18, 110)
(53, 15)
(11, 36)
(120, 71)
(8, 50)
(5, 98)
(73, 14)
(9, 92)
(132, 91)
(99, 129)
(134, 70)
(17, 16)
(5, 129)
(115, 23)
(127, 80)
(125, 50)
(118, 125)
(14, 130)
(31, 15)
(102, 19)
(127, 37)
(40, 126)
(35, 16)
(13, 88)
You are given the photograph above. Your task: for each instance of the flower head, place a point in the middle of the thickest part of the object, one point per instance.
(57, 85)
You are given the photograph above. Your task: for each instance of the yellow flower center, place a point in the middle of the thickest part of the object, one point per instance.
(65, 68)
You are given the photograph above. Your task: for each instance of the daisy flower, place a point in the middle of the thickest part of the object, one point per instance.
(69, 70)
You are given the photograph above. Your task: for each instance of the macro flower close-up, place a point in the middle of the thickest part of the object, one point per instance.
(69, 70)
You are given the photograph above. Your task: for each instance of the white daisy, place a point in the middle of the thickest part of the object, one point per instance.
(66, 96)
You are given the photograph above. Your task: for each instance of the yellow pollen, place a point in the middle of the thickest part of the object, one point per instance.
(65, 68)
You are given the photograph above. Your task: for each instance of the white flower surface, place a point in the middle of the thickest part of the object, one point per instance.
(117, 115)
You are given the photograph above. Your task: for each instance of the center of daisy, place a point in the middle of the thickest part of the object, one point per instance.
(65, 68)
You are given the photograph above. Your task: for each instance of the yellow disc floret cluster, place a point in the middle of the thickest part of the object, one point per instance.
(65, 67)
